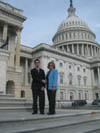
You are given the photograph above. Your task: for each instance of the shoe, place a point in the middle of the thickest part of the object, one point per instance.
(34, 113)
(51, 113)
(42, 113)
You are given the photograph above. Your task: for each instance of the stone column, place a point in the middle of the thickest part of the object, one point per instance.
(98, 52)
(82, 50)
(98, 75)
(26, 71)
(77, 49)
(91, 50)
(92, 74)
(72, 48)
(95, 51)
(63, 48)
(87, 50)
(18, 48)
(5, 30)
(68, 48)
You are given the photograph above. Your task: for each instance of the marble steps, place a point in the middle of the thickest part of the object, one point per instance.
(15, 104)
(16, 109)
(4, 99)
(10, 103)
(7, 96)
(76, 123)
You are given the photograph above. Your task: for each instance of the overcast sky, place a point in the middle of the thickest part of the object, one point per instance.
(44, 17)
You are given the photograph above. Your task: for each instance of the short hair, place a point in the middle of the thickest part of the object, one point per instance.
(36, 60)
(53, 64)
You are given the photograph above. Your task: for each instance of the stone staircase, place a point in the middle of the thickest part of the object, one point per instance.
(10, 103)
(16, 117)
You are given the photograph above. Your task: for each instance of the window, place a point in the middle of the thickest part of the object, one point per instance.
(71, 96)
(70, 35)
(78, 68)
(66, 37)
(62, 36)
(61, 64)
(79, 81)
(22, 94)
(84, 70)
(61, 96)
(86, 95)
(70, 78)
(85, 82)
(80, 96)
(69, 66)
(61, 78)
(97, 96)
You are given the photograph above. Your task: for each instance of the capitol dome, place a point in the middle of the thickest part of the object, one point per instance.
(74, 35)
(73, 22)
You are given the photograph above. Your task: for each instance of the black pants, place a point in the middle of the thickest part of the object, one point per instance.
(52, 100)
(41, 94)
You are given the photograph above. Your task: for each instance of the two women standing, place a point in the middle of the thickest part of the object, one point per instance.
(51, 82)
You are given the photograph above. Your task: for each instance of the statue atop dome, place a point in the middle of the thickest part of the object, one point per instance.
(71, 3)
(71, 9)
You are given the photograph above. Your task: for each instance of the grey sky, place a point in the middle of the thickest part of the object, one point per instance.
(44, 17)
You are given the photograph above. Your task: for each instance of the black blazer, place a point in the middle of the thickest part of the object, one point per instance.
(37, 78)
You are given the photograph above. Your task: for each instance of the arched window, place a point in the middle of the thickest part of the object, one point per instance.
(79, 81)
(71, 96)
(70, 78)
(61, 95)
(85, 81)
(10, 87)
(61, 64)
(86, 95)
(61, 78)
(78, 68)
(80, 96)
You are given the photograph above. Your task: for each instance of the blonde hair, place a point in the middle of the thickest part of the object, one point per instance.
(53, 64)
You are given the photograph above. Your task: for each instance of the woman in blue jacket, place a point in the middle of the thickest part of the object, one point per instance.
(52, 86)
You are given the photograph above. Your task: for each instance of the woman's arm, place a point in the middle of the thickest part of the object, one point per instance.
(55, 78)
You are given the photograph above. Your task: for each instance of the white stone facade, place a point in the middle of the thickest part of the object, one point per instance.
(74, 51)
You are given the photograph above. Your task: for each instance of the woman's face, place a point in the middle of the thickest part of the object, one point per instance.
(50, 66)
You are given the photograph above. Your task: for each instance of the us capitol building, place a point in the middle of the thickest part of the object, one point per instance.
(74, 50)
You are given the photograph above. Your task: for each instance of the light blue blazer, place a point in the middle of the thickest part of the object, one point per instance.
(53, 79)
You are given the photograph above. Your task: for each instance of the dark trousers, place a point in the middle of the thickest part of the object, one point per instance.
(52, 100)
(41, 94)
